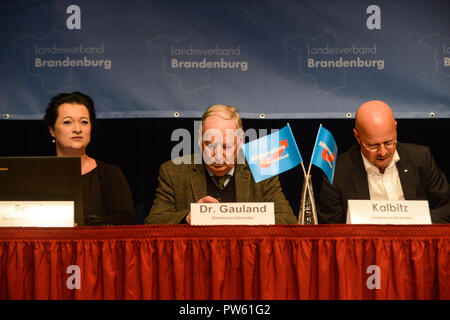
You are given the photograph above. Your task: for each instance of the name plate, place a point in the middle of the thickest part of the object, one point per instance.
(388, 212)
(37, 214)
(233, 213)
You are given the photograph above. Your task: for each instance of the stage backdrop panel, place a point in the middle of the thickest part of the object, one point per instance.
(274, 59)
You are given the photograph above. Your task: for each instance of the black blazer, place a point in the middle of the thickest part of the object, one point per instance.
(115, 194)
(420, 178)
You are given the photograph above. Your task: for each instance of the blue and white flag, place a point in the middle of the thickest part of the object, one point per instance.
(325, 152)
(272, 154)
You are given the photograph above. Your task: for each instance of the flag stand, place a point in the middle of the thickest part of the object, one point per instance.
(308, 213)
(324, 158)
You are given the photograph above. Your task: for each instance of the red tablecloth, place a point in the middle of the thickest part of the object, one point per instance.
(226, 262)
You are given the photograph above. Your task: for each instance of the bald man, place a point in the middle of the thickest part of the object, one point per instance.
(380, 168)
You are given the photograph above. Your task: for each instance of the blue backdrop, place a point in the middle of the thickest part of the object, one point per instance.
(273, 59)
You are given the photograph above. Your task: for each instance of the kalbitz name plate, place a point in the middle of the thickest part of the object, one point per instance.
(388, 212)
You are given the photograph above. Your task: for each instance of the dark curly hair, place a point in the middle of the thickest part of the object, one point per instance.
(51, 113)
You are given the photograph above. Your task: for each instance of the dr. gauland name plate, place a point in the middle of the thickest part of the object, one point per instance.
(388, 212)
(233, 213)
(36, 213)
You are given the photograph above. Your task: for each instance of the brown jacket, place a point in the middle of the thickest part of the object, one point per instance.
(183, 184)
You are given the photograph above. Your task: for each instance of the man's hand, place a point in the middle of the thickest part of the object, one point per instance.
(207, 199)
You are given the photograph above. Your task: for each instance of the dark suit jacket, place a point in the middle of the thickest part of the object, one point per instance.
(183, 184)
(420, 178)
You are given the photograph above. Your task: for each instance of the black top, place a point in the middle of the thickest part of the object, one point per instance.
(107, 198)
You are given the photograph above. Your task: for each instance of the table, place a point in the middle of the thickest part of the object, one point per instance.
(226, 262)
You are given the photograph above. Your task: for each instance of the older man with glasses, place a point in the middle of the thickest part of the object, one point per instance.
(379, 168)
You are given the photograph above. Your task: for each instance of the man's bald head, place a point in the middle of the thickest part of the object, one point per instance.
(373, 114)
(375, 127)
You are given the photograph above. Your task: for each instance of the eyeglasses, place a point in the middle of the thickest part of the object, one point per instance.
(377, 147)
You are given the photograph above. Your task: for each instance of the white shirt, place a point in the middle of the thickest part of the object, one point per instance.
(385, 186)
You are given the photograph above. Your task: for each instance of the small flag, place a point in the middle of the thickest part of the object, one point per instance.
(325, 152)
(272, 154)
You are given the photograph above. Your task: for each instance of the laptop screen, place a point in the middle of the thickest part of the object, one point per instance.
(42, 179)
